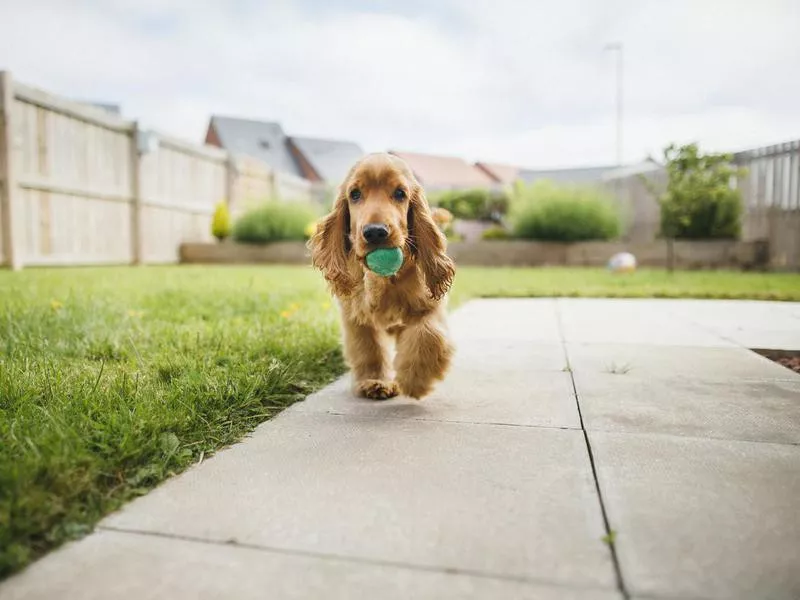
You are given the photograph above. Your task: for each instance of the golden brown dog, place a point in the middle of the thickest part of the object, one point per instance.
(381, 205)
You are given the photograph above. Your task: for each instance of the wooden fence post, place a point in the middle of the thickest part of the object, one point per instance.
(136, 197)
(12, 253)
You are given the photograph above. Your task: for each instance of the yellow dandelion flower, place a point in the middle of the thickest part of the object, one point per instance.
(286, 314)
(326, 305)
(56, 305)
(294, 306)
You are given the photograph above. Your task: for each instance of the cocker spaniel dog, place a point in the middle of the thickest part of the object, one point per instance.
(381, 205)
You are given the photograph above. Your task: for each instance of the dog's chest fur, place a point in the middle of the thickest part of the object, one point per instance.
(389, 302)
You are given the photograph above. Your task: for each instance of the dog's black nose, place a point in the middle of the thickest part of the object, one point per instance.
(375, 233)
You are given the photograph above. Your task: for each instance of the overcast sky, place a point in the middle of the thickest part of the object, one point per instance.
(524, 82)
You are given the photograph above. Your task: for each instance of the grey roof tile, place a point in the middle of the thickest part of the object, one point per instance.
(331, 159)
(263, 140)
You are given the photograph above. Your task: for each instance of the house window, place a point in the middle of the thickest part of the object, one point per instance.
(263, 144)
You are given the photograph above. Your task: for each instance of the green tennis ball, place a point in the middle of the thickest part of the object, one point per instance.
(385, 261)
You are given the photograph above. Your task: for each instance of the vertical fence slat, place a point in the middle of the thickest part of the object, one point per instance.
(9, 217)
(136, 198)
(794, 182)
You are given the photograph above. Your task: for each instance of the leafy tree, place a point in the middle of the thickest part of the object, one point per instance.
(699, 202)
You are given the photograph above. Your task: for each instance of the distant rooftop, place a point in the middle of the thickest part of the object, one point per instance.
(263, 140)
(640, 168)
(330, 159)
(312, 158)
(114, 109)
(445, 172)
(501, 173)
(574, 175)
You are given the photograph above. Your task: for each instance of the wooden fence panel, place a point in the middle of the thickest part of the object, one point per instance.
(291, 188)
(162, 226)
(180, 184)
(73, 181)
(254, 182)
(87, 189)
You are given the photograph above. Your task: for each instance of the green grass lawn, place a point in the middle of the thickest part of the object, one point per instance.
(581, 282)
(111, 379)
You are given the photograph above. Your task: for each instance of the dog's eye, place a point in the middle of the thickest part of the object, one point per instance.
(355, 194)
(399, 194)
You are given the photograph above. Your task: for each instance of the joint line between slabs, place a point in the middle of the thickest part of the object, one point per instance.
(606, 523)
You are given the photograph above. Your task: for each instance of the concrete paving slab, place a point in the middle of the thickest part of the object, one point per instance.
(766, 339)
(341, 498)
(531, 320)
(128, 566)
(518, 397)
(770, 325)
(504, 356)
(630, 322)
(702, 518)
(756, 410)
(498, 500)
(736, 314)
(665, 364)
(792, 308)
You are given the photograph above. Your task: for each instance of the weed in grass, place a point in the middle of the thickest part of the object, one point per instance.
(609, 538)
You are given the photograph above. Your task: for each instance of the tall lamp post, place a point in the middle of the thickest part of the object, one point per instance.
(617, 48)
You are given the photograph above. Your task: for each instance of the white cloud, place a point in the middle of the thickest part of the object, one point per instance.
(524, 82)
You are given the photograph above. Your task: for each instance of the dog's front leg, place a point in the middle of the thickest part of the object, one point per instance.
(367, 353)
(423, 355)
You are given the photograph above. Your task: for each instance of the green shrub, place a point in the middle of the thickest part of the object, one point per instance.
(699, 202)
(274, 222)
(545, 211)
(495, 233)
(221, 222)
(473, 205)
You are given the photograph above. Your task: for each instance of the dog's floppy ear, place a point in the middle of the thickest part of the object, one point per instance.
(427, 244)
(330, 246)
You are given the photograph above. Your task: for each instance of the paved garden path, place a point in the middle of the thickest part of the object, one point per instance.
(565, 424)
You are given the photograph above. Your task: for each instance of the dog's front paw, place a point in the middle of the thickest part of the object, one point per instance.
(375, 389)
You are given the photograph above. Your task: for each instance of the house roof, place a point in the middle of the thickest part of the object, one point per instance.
(445, 172)
(114, 109)
(263, 140)
(500, 173)
(576, 175)
(331, 159)
(640, 168)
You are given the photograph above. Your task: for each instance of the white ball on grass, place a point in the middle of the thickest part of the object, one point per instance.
(622, 262)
